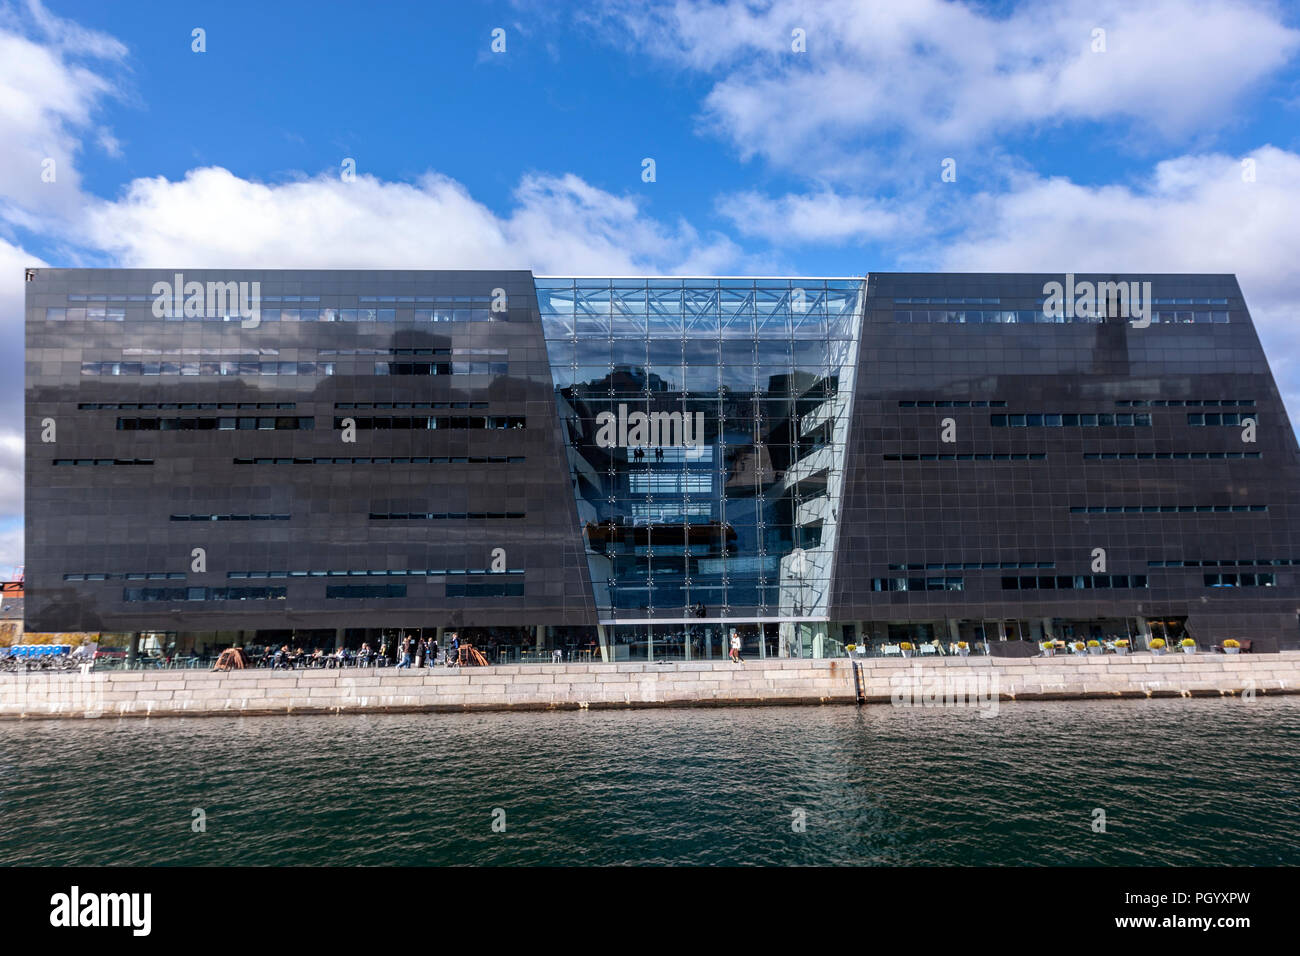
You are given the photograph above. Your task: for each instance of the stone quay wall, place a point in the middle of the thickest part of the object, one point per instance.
(176, 693)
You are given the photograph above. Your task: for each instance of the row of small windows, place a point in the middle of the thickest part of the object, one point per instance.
(445, 516)
(440, 314)
(946, 300)
(349, 405)
(436, 423)
(265, 575)
(975, 316)
(457, 590)
(1073, 420)
(1030, 583)
(205, 594)
(248, 353)
(103, 461)
(974, 566)
(652, 483)
(917, 584)
(117, 313)
(207, 368)
(442, 368)
(1186, 403)
(1039, 317)
(1222, 418)
(411, 351)
(1187, 318)
(229, 368)
(1077, 582)
(1161, 509)
(101, 312)
(380, 573)
(957, 300)
(165, 406)
(280, 424)
(126, 576)
(987, 456)
(1243, 580)
(352, 591)
(1166, 455)
(1227, 563)
(955, 403)
(455, 460)
(231, 517)
(440, 300)
(431, 351)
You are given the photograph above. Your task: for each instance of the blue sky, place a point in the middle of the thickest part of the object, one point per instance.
(1070, 154)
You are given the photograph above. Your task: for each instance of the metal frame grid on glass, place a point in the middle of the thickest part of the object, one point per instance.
(741, 524)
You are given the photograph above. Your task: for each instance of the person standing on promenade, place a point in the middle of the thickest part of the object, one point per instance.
(735, 646)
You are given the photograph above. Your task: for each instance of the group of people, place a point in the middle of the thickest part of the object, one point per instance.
(409, 652)
(425, 653)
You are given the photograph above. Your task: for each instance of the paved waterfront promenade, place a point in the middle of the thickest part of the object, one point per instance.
(594, 686)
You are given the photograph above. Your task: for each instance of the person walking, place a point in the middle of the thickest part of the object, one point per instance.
(735, 646)
(406, 653)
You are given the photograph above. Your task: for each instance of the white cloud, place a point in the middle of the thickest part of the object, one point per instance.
(64, 34)
(936, 72)
(11, 550)
(48, 102)
(11, 471)
(825, 216)
(557, 224)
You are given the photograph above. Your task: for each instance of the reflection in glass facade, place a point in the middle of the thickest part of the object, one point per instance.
(737, 522)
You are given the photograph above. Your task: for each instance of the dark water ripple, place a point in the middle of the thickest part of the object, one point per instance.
(1182, 782)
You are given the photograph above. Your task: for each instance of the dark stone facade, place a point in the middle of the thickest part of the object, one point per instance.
(944, 512)
(116, 518)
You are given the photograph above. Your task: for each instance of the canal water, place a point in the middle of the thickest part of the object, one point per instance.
(1179, 781)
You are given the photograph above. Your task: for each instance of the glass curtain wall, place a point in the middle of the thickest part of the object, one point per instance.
(705, 421)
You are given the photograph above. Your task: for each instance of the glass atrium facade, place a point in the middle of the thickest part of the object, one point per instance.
(732, 512)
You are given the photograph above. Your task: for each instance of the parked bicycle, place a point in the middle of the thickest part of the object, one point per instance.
(26, 658)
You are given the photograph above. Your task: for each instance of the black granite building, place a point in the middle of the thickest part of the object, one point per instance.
(632, 467)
